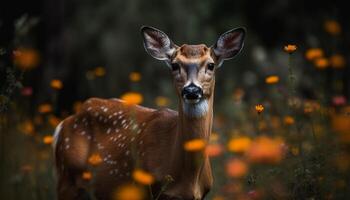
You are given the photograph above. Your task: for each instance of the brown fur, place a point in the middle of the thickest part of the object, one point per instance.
(158, 146)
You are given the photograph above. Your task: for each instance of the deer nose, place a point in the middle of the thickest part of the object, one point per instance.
(192, 92)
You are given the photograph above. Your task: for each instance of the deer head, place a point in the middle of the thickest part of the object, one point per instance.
(193, 66)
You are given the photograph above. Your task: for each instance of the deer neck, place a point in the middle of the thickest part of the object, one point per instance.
(195, 125)
(190, 128)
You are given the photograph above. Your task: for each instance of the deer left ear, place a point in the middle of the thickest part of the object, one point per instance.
(229, 44)
(157, 43)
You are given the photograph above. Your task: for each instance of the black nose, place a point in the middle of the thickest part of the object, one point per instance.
(192, 92)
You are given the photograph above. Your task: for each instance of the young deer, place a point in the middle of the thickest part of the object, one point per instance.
(128, 136)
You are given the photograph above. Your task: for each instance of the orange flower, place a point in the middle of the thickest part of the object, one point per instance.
(321, 63)
(290, 48)
(238, 94)
(314, 53)
(259, 108)
(132, 98)
(129, 192)
(272, 79)
(27, 168)
(341, 125)
(95, 159)
(265, 150)
(99, 71)
(162, 101)
(53, 120)
(48, 139)
(289, 120)
(56, 84)
(194, 145)
(236, 168)
(77, 106)
(26, 58)
(337, 61)
(86, 175)
(239, 145)
(45, 108)
(135, 76)
(142, 177)
(213, 150)
(332, 27)
(27, 127)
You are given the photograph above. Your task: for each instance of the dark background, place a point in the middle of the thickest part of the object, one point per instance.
(74, 36)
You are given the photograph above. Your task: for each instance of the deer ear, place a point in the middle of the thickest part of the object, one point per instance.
(229, 44)
(157, 43)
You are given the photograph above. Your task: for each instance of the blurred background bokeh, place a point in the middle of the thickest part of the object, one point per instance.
(54, 54)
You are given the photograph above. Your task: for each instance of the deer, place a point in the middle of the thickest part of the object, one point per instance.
(121, 132)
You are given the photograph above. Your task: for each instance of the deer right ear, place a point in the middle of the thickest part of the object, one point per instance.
(157, 43)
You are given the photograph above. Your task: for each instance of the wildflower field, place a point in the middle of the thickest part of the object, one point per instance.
(281, 124)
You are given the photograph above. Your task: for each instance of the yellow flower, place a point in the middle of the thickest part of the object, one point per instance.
(48, 139)
(142, 177)
(99, 71)
(314, 53)
(26, 58)
(132, 98)
(289, 120)
(337, 61)
(129, 192)
(162, 101)
(86, 175)
(56, 84)
(290, 48)
(272, 79)
(135, 76)
(332, 27)
(239, 145)
(259, 108)
(95, 159)
(295, 151)
(45, 108)
(214, 137)
(194, 145)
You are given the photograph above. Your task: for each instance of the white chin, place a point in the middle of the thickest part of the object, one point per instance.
(192, 101)
(195, 108)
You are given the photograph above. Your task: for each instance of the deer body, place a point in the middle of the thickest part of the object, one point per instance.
(129, 136)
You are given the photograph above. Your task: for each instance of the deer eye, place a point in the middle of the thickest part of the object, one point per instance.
(211, 66)
(175, 66)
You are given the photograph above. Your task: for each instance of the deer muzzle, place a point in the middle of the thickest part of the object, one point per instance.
(192, 93)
